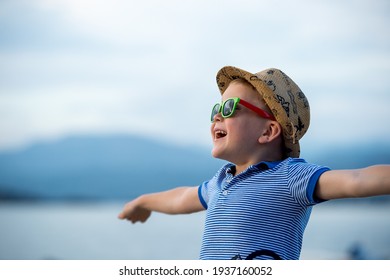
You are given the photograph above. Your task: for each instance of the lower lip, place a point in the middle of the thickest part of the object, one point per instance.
(219, 138)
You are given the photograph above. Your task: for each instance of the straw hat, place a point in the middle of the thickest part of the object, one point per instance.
(287, 102)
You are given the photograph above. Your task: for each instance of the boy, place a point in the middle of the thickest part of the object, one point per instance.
(258, 205)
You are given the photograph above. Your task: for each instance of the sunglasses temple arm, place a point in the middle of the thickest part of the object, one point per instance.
(261, 112)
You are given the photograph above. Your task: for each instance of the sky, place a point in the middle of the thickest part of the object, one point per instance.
(86, 67)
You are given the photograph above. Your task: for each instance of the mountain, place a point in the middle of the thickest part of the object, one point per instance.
(348, 157)
(123, 167)
(105, 167)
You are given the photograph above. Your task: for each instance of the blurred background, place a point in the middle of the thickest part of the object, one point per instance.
(95, 95)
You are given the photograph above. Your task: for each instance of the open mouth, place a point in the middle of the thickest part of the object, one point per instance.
(220, 134)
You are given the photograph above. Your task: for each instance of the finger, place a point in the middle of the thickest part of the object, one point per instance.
(121, 216)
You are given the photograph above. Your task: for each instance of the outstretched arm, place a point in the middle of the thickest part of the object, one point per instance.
(181, 200)
(370, 181)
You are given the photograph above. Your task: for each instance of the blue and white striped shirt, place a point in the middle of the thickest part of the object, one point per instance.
(266, 207)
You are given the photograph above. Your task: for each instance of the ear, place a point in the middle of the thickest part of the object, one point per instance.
(271, 131)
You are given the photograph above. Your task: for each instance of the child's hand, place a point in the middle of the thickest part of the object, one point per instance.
(181, 200)
(134, 213)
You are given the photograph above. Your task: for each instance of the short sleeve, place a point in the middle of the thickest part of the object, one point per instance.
(202, 193)
(312, 185)
(303, 178)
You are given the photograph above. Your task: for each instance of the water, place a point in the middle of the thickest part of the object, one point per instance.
(92, 231)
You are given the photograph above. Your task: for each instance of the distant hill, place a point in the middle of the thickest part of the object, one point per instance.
(347, 157)
(106, 167)
(122, 167)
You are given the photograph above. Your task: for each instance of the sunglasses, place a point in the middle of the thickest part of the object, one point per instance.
(228, 107)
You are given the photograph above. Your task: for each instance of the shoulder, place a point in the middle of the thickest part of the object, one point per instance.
(299, 166)
(303, 178)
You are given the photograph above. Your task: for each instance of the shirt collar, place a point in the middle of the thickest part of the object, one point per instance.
(231, 169)
(265, 165)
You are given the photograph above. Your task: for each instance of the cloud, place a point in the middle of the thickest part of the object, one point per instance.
(149, 66)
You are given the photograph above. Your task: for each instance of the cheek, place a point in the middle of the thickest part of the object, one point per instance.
(237, 130)
(212, 129)
(248, 131)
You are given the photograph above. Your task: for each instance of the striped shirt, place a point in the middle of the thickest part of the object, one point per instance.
(266, 207)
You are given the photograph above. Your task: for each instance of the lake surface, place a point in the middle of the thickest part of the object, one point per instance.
(92, 231)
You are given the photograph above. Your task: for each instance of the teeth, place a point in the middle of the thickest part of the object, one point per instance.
(220, 133)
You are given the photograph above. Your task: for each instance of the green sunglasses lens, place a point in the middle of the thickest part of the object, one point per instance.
(215, 111)
(228, 108)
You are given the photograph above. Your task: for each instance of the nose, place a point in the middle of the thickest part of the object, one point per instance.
(217, 117)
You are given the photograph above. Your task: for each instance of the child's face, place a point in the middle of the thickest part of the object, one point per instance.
(236, 138)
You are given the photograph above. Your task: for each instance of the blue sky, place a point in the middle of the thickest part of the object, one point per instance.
(71, 67)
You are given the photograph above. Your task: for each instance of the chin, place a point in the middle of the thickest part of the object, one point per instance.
(216, 154)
